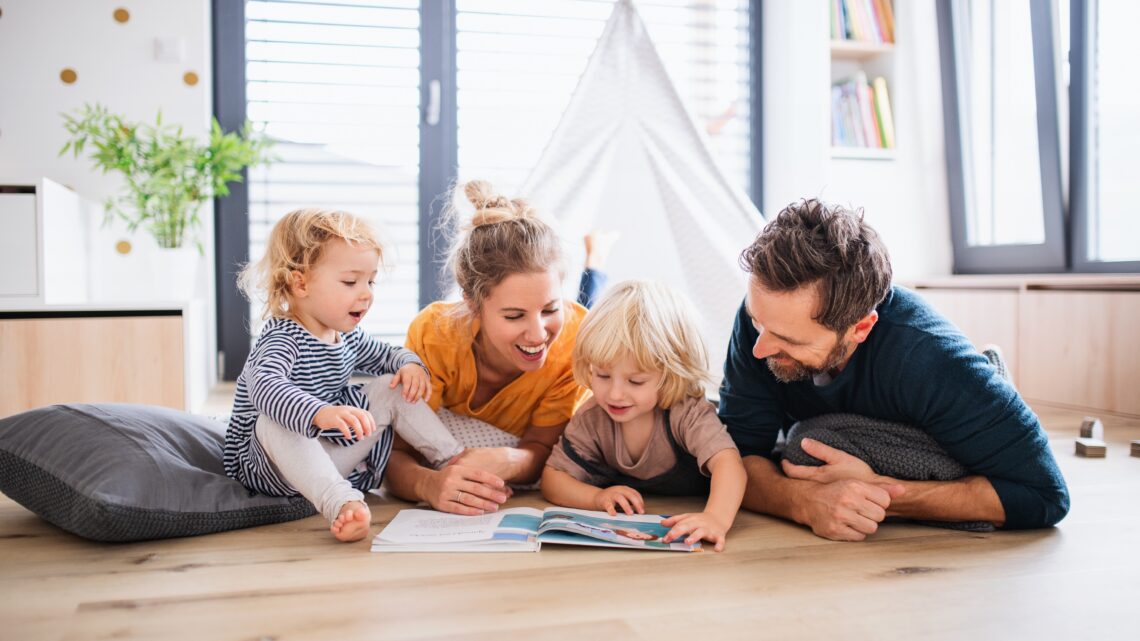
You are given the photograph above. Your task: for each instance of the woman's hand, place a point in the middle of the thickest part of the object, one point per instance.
(417, 383)
(460, 489)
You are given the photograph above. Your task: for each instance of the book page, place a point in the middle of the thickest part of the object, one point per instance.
(632, 530)
(428, 526)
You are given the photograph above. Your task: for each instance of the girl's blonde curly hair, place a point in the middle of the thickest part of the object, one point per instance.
(296, 244)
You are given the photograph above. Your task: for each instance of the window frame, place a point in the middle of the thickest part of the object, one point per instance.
(438, 157)
(1049, 256)
(1082, 40)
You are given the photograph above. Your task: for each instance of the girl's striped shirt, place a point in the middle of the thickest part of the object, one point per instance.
(289, 376)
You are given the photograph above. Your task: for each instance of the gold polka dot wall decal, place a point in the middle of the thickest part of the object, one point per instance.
(190, 78)
(68, 76)
(121, 15)
(123, 247)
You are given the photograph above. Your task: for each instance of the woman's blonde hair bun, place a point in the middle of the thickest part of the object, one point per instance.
(492, 207)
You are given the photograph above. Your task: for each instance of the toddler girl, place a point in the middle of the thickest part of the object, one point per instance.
(298, 426)
(648, 428)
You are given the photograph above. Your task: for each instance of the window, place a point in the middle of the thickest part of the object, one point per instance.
(378, 105)
(1106, 96)
(994, 97)
(337, 86)
(1002, 135)
(518, 63)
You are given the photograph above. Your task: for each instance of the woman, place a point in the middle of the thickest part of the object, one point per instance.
(501, 355)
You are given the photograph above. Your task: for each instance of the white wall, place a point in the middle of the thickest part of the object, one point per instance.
(115, 65)
(905, 198)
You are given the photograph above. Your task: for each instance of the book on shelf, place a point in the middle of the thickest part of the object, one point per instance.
(862, 20)
(861, 114)
(883, 112)
(523, 529)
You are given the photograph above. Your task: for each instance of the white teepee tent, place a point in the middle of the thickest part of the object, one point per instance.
(627, 156)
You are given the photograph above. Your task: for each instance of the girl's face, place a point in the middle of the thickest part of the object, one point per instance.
(520, 320)
(624, 390)
(335, 294)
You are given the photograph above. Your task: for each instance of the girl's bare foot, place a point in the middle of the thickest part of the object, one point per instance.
(352, 523)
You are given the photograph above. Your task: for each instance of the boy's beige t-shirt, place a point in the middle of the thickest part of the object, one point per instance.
(597, 439)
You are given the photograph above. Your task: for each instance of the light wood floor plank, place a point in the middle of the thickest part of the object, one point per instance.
(291, 581)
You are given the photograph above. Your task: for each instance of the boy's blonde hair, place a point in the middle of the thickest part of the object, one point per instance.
(296, 244)
(504, 237)
(654, 325)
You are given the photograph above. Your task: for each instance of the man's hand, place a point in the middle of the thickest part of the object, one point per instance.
(837, 465)
(847, 509)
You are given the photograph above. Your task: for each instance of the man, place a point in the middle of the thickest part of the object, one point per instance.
(822, 331)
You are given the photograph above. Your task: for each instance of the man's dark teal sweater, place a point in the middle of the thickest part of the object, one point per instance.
(917, 368)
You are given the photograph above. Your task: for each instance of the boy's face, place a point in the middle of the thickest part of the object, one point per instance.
(624, 391)
(520, 319)
(336, 292)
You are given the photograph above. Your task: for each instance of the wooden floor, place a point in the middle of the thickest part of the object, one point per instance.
(291, 581)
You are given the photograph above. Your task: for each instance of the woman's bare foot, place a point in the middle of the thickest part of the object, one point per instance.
(598, 245)
(352, 523)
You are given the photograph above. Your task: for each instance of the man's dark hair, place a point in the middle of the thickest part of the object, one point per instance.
(810, 243)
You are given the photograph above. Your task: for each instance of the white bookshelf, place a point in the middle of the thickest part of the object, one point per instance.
(848, 58)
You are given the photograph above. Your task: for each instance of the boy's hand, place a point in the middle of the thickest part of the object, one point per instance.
(619, 496)
(417, 383)
(348, 420)
(698, 526)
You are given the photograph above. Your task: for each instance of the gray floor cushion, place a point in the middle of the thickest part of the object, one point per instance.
(116, 472)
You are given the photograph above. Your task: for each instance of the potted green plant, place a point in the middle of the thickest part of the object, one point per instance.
(169, 174)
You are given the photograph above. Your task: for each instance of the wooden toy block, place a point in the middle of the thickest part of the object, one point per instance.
(1091, 448)
(1091, 427)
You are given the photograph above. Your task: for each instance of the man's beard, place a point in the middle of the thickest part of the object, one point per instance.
(797, 371)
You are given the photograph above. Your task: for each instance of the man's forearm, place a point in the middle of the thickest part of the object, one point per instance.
(770, 492)
(971, 498)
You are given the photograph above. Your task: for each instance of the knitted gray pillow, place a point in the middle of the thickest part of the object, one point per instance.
(114, 472)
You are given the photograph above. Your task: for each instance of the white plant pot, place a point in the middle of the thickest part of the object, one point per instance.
(173, 274)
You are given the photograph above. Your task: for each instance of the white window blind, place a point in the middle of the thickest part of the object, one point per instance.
(336, 84)
(518, 62)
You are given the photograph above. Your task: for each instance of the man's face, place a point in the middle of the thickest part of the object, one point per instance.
(795, 346)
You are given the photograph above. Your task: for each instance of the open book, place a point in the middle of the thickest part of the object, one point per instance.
(522, 529)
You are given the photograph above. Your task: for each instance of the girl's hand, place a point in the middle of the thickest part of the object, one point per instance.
(417, 383)
(464, 490)
(353, 422)
(698, 526)
(619, 496)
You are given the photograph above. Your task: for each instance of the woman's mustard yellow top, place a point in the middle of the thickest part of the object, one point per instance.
(544, 397)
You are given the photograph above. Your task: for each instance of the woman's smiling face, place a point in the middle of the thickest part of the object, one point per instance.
(520, 319)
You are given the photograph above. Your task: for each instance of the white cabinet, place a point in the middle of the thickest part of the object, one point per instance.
(43, 245)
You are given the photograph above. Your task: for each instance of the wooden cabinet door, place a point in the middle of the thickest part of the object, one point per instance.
(1082, 349)
(114, 359)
